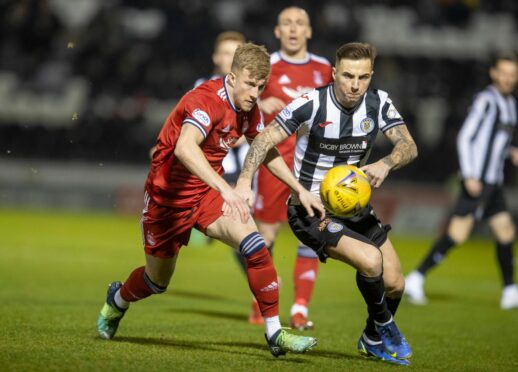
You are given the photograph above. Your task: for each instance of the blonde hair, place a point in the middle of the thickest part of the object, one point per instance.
(238, 37)
(254, 58)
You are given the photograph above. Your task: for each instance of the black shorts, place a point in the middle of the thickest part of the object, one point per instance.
(318, 234)
(490, 202)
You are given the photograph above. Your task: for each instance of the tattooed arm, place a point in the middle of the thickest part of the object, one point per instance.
(263, 150)
(404, 151)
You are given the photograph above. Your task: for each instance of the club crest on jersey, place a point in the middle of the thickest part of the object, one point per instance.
(317, 78)
(286, 113)
(201, 116)
(367, 125)
(260, 127)
(334, 227)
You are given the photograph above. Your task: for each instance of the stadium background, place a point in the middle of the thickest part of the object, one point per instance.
(86, 84)
(84, 88)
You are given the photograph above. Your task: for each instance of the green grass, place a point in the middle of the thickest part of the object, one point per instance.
(54, 268)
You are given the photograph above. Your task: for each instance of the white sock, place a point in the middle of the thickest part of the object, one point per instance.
(387, 322)
(296, 308)
(119, 301)
(272, 325)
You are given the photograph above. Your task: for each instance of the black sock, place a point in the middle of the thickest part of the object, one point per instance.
(504, 253)
(436, 254)
(373, 293)
(370, 328)
(393, 304)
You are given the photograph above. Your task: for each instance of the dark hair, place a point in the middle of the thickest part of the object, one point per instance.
(355, 51)
(503, 56)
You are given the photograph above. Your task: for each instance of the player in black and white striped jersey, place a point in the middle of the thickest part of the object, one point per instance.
(483, 144)
(337, 124)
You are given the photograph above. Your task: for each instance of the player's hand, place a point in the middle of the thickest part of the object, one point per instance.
(376, 173)
(235, 206)
(473, 187)
(246, 193)
(271, 105)
(312, 203)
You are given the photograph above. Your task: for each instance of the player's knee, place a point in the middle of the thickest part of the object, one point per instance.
(371, 264)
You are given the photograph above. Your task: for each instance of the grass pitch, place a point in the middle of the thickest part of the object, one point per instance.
(55, 266)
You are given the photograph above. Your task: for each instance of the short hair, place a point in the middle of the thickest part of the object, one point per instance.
(254, 58)
(229, 36)
(355, 51)
(293, 7)
(503, 56)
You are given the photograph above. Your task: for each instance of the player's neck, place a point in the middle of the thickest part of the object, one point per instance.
(230, 93)
(299, 56)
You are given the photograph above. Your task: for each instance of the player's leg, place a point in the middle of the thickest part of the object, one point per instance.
(270, 233)
(164, 232)
(261, 274)
(458, 231)
(355, 250)
(504, 230)
(304, 276)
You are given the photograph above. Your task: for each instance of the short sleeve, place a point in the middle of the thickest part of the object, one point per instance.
(389, 116)
(200, 111)
(294, 114)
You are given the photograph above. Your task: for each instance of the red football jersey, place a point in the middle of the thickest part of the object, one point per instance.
(289, 79)
(209, 109)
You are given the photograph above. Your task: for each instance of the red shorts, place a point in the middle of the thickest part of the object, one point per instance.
(271, 194)
(165, 230)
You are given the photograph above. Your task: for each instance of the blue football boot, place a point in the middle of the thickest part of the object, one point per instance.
(369, 348)
(393, 341)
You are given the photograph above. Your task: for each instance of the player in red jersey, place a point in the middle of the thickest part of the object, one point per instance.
(185, 189)
(295, 71)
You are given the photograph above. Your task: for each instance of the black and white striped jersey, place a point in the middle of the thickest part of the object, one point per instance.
(329, 134)
(484, 139)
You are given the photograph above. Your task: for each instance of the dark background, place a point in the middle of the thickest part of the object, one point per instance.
(92, 81)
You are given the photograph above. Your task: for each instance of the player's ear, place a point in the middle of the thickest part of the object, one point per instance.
(231, 79)
(309, 33)
(277, 32)
(334, 73)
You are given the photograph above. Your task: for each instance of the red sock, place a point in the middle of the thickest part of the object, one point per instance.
(262, 279)
(304, 277)
(139, 286)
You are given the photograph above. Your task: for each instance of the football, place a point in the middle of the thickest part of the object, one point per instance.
(345, 190)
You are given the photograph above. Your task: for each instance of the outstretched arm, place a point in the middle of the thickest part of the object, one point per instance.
(263, 147)
(188, 151)
(262, 150)
(404, 151)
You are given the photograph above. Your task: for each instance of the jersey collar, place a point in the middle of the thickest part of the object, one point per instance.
(293, 61)
(339, 105)
(230, 103)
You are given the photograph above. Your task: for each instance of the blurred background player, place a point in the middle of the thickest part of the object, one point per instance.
(185, 190)
(483, 144)
(352, 113)
(295, 71)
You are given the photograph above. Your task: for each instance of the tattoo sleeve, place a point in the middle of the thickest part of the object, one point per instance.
(261, 145)
(405, 149)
